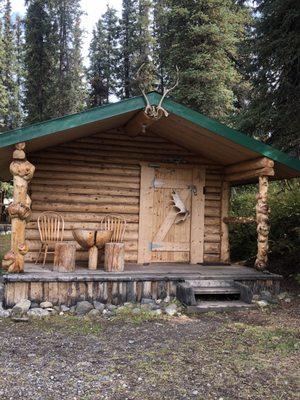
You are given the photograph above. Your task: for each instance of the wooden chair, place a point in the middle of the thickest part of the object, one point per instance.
(117, 224)
(115, 250)
(51, 227)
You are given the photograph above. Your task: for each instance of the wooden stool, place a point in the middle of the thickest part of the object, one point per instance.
(114, 257)
(64, 257)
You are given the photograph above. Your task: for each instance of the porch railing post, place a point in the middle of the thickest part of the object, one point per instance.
(19, 210)
(263, 227)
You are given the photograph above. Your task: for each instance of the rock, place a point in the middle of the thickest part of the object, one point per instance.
(171, 309)
(46, 304)
(111, 307)
(24, 305)
(288, 300)
(72, 310)
(147, 301)
(108, 314)
(38, 313)
(262, 303)
(94, 313)
(64, 308)
(146, 306)
(99, 306)
(19, 311)
(266, 295)
(83, 307)
(158, 301)
(4, 313)
(136, 311)
(167, 299)
(57, 308)
(255, 297)
(157, 312)
(282, 295)
(129, 304)
(34, 305)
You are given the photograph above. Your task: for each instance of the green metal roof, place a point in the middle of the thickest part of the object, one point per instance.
(133, 104)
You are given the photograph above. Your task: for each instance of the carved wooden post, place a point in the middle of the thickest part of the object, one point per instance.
(263, 228)
(19, 210)
(225, 206)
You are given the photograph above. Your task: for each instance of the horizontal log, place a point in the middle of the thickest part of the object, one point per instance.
(130, 226)
(78, 216)
(84, 198)
(85, 177)
(86, 208)
(212, 211)
(212, 203)
(99, 141)
(239, 220)
(34, 245)
(212, 220)
(213, 183)
(248, 175)
(80, 256)
(117, 135)
(33, 234)
(212, 238)
(106, 165)
(46, 189)
(87, 169)
(168, 246)
(212, 248)
(211, 258)
(258, 163)
(85, 183)
(212, 229)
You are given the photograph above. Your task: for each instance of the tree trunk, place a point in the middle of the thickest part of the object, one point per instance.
(114, 257)
(64, 257)
(263, 228)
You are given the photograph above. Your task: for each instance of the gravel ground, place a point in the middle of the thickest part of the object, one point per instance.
(249, 355)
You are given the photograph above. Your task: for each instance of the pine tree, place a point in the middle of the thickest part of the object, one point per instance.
(160, 51)
(104, 55)
(202, 38)
(274, 111)
(40, 62)
(19, 71)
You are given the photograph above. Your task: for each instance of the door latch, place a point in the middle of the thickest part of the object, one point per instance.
(193, 189)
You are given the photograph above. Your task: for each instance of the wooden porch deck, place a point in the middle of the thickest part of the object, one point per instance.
(155, 271)
(154, 281)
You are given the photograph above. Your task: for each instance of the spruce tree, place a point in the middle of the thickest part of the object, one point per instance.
(136, 46)
(40, 62)
(202, 38)
(3, 92)
(104, 55)
(11, 117)
(274, 110)
(65, 16)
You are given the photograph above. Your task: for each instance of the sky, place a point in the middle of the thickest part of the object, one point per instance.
(93, 9)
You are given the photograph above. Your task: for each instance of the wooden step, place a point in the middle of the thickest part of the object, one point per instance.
(219, 306)
(209, 282)
(209, 290)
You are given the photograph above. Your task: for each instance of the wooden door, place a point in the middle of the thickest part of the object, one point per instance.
(171, 223)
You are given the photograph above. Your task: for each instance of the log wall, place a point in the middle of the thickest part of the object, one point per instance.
(100, 174)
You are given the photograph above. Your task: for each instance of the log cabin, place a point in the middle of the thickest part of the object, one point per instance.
(167, 171)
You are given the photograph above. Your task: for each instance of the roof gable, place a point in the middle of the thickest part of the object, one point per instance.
(66, 125)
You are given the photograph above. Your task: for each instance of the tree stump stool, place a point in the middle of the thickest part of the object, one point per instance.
(64, 257)
(114, 257)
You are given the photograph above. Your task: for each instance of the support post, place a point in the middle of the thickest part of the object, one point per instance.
(19, 210)
(263, 228)
(225, 205)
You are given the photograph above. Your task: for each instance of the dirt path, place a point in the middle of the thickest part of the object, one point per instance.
(237, 356)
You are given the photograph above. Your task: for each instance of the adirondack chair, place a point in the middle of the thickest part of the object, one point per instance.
(51, 227)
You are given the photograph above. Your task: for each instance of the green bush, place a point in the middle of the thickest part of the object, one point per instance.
(284, 202)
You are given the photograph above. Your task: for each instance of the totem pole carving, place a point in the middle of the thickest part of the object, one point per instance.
(19, 210)
(263, 227)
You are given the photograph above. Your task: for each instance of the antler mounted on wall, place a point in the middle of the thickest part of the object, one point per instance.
(152, 113)
(151, 110)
